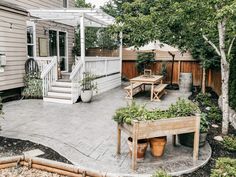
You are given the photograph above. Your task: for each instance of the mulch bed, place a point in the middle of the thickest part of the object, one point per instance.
(11, 147)
(218, 150)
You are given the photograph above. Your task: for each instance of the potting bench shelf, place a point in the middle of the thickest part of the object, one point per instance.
(163, 127)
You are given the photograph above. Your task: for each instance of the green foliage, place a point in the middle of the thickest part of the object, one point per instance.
(213, 113)
(136, 112)
(183, 108)
(225, 167)
(232, 78)
(33, 86)
(87, 83)
(230, 142)
(204, 124)
(160, 173)
(204, 99)
(144, 60)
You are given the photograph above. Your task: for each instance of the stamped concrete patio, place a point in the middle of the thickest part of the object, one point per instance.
(86, 135)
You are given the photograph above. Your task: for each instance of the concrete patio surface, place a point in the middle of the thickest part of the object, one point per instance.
(86, 134)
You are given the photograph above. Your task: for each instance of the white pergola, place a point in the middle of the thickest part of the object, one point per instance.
(84, 17)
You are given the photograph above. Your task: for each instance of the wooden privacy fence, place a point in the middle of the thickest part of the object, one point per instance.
(213, 77)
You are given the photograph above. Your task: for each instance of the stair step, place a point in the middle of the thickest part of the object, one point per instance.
(57, 100)
(60, 89)
(62, 84)
(60, 94)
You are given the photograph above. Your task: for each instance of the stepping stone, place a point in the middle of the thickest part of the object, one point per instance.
(215, 126)
(33, 153)
(218, 138)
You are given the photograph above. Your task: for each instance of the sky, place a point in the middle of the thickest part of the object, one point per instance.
(98, 3)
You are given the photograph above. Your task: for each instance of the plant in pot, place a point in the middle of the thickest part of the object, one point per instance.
(145, 60)
(88, 86)
(187, 139)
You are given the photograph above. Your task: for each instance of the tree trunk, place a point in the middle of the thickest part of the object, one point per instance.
(203, 80)
(224, 77)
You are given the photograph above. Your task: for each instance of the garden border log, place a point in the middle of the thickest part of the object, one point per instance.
(49, 165)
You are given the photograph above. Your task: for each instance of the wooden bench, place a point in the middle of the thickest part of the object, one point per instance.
(137, 87)
(158, 91)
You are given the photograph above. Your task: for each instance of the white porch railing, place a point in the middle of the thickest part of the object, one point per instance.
(43, 62)
(49, 74)
(102, 66)
(75, 77)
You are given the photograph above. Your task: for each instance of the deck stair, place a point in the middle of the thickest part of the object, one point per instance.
(60, 92)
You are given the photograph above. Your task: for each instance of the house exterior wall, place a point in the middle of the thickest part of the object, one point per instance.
(32, 4)
(13, 45)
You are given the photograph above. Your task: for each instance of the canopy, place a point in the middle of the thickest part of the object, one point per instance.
(157, 45)
(71, 16)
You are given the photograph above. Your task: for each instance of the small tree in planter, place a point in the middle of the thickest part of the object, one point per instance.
(145, 60)
(88, 86)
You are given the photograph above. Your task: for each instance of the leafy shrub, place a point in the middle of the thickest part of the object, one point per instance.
(230, 143)
(232, 78)
(136, 112)
(214, 114)
(160, 173)
(225, 167)
(33, 86)
(204, 99)
(204, 124)
(183, 108)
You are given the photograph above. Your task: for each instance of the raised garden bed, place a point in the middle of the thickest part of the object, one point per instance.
(156, 128)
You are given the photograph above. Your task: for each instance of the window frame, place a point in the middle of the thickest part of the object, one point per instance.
(31, 24)
(65, 2)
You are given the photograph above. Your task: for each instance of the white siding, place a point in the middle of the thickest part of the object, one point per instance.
(13, 44)
(31, 4)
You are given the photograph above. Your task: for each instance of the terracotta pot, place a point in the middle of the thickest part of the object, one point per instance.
(142, 147)
(158, 146)
(188, 138)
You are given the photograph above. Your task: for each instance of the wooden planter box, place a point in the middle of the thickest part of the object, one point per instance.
(163, 127)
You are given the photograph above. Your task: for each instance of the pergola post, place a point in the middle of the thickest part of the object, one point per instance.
(82, 41)
(121, 51)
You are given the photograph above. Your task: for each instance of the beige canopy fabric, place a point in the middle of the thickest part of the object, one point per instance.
(156, 45)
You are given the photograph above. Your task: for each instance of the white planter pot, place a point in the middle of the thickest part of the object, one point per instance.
(86, 96)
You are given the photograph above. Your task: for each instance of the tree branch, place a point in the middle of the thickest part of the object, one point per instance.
(231, 45)
(212, 44)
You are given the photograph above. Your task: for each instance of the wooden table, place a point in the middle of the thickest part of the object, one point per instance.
(146, 80)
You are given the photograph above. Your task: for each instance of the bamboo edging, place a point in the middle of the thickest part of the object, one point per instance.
(49, 166)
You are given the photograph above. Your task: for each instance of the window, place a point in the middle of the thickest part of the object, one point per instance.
(31, 40)
(65, 3)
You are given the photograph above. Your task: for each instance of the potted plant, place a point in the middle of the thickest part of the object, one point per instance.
(142, 147)
(158, 146)
(187, 139)
(88, 86)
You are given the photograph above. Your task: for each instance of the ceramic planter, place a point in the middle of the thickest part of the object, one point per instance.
(187, 139)
(158, 146)
(86, 96)
(142, 147)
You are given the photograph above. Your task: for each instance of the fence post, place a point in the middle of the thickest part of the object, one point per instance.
(105, 67)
